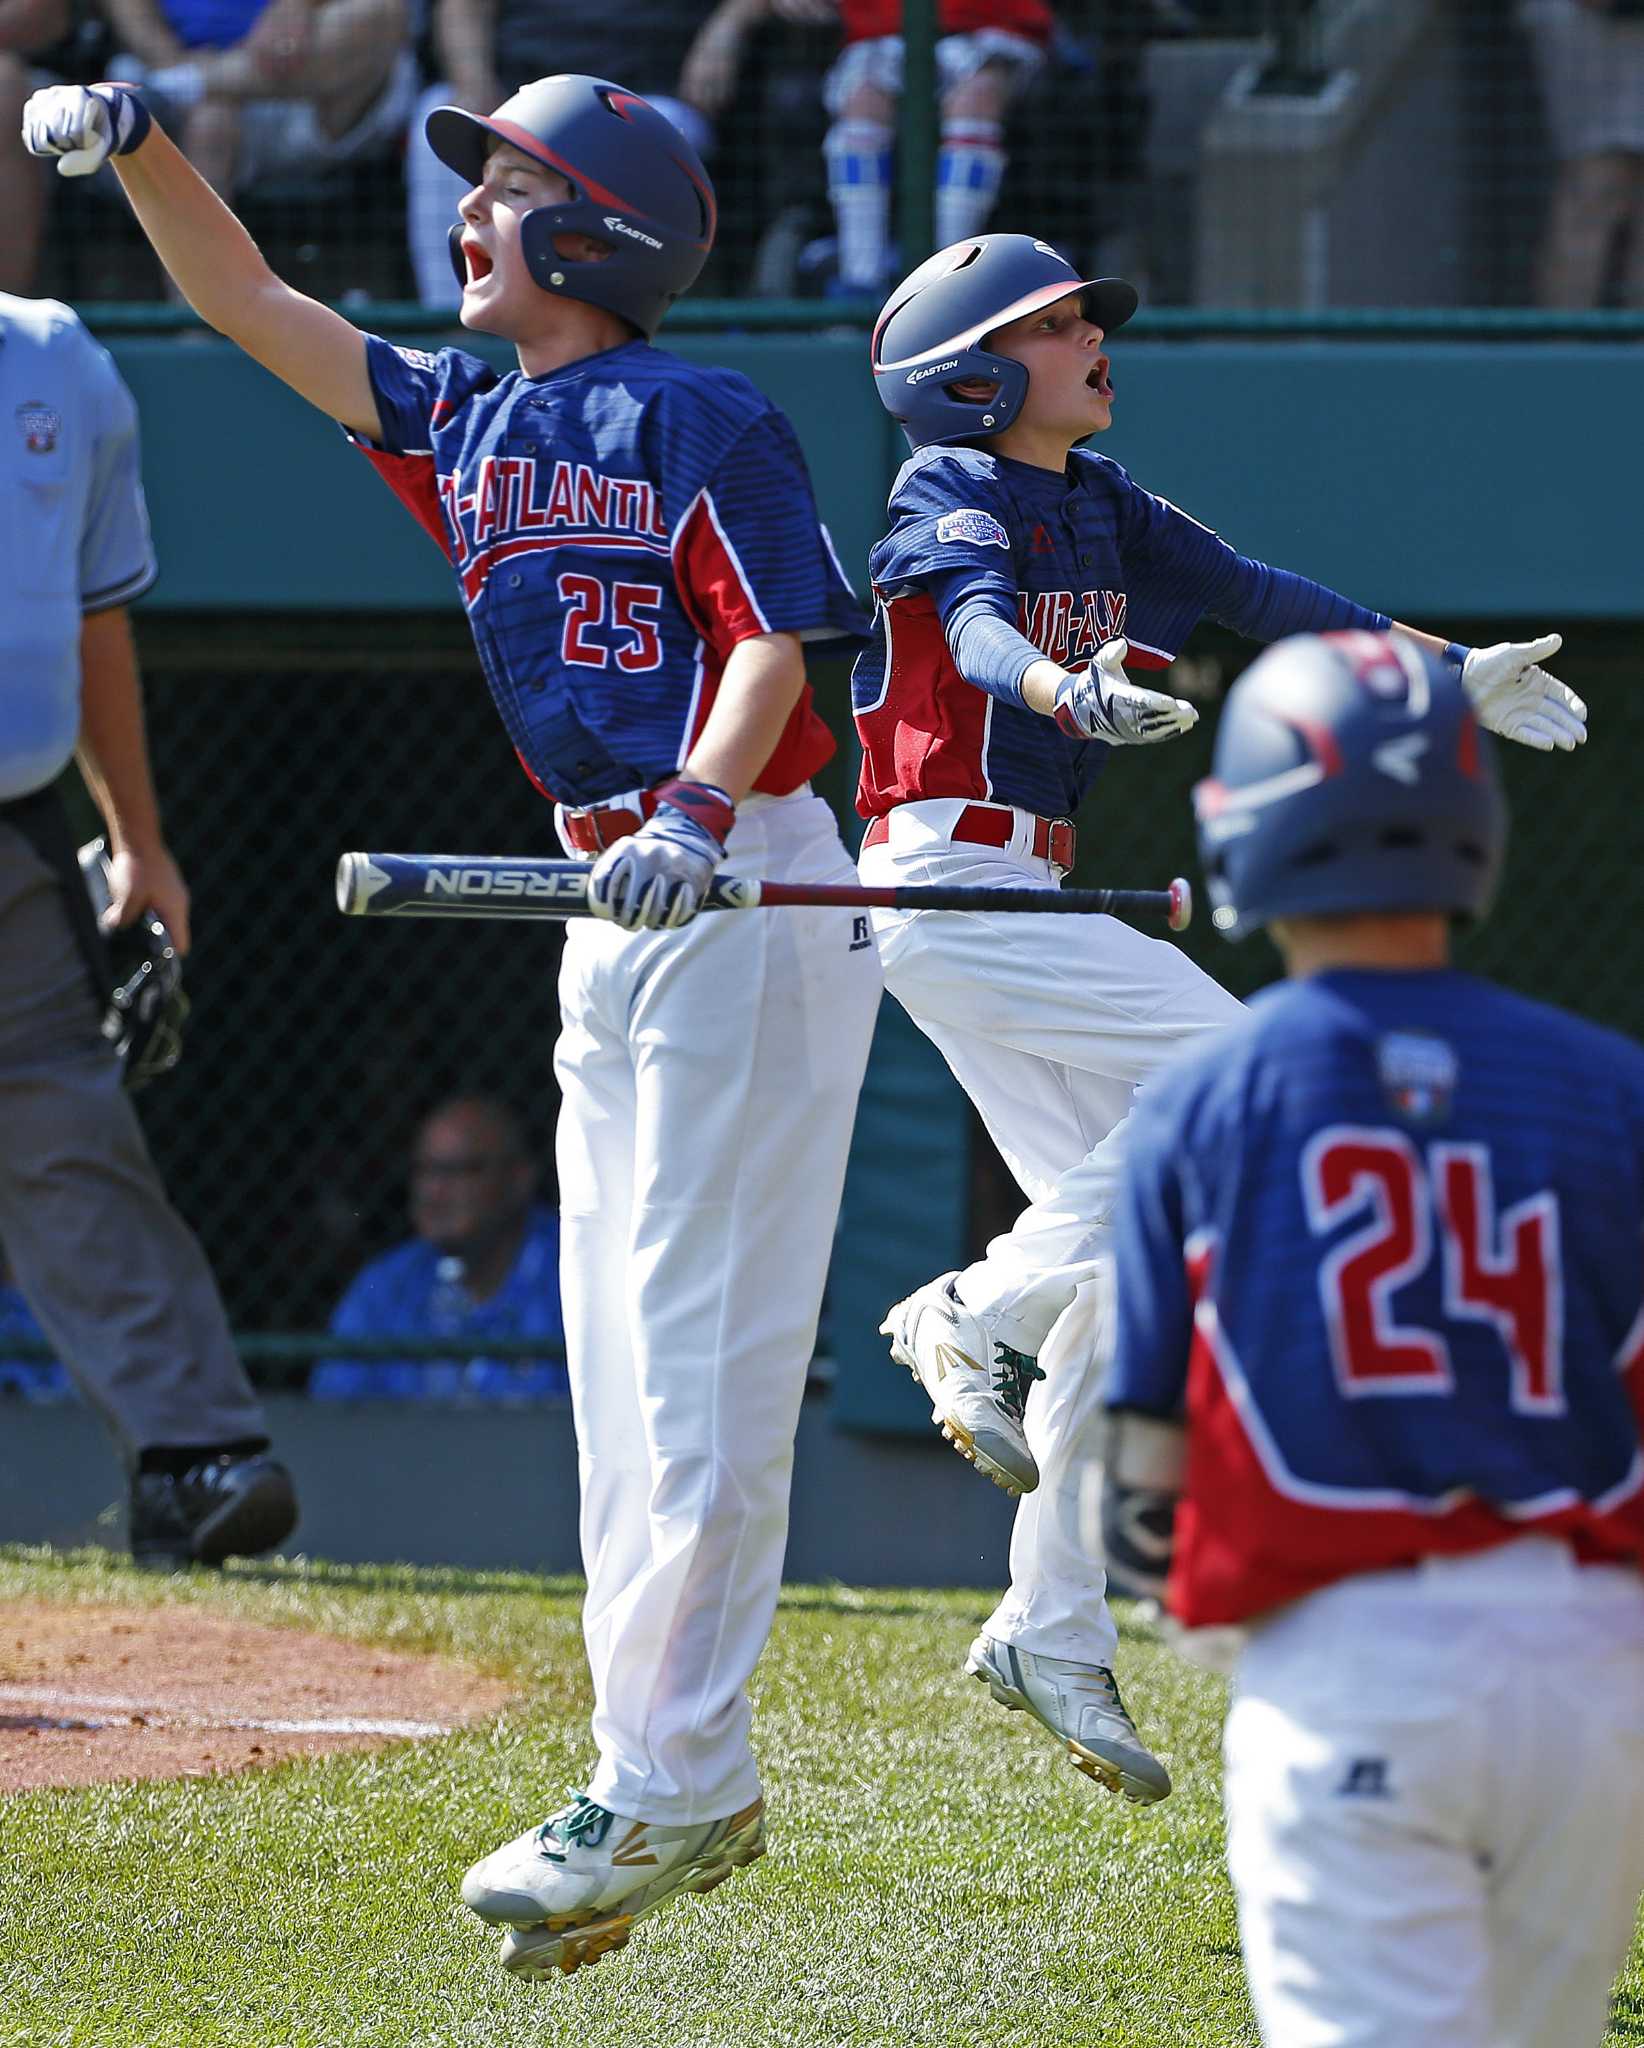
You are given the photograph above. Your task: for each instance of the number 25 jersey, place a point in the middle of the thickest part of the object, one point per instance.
(1383, 1245)
(616, 527)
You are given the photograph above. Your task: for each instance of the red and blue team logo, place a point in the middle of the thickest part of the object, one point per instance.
(1418, 1073)
(39, 425)
(970, 524)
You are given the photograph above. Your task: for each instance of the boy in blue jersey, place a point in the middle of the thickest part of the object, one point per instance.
(1022, 576)
(640, 557)
(1379, 1377)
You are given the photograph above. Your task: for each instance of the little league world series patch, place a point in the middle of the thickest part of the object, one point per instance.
(39, 426)
(972, 525)
(1418, 1074)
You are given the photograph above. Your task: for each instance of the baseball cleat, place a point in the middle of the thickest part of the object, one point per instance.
(573, 1889)
(977, 1388)
(1080, 1705)
(226, 1504)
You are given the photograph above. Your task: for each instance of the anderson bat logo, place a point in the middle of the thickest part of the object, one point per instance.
(506, 882)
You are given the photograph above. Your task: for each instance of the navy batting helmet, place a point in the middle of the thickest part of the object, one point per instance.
(636, 184)
(1349, 774)
(932, 332)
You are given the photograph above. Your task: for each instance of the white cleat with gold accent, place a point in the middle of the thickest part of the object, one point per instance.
(977, 1387)
(572, 1890)
(1080, 1705)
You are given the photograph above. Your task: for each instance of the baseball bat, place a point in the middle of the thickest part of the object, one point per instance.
(499, 885)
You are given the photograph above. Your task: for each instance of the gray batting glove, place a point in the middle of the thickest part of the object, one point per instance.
(82, 126)
(658, 877)
(1514, 697)
(1102, 703)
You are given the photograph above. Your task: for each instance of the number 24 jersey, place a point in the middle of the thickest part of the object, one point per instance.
(1383, 1245)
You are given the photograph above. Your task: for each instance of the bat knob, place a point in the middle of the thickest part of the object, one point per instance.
(347, 869)
(1181, 904)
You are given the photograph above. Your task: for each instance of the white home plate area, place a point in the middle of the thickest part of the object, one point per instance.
(96, 1694)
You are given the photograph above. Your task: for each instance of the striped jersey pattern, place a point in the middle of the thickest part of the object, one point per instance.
(1075, 557)
(616, 527)
(1382, 1245)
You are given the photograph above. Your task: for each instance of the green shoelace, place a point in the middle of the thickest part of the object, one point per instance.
(582, 1823)
(1013, 1374)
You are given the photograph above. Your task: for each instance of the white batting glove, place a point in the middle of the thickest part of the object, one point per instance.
(658, 877)
(1522, 702)
(1102, 703)
(82, 126)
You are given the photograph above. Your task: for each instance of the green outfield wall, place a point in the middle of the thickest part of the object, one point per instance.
(1430, 478)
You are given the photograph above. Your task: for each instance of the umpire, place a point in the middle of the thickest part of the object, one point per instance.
(115, 1277)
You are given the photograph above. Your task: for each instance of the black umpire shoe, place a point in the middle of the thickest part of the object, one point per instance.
(229, 1505)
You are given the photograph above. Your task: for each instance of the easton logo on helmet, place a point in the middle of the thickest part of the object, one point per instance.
(932, 370)
(621, 227)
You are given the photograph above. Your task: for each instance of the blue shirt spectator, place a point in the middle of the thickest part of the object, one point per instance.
(484, 1263)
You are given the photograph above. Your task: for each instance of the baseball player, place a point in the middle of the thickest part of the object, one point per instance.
(639, 553)
(1380, 1363)
(1021, 580)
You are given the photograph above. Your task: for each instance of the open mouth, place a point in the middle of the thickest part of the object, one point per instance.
(479, 263)
(1099, 380)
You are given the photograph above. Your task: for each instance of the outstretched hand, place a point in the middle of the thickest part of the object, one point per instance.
(1513, 695)
(1102, 703)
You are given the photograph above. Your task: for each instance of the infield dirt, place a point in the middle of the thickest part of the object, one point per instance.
(90, 1695)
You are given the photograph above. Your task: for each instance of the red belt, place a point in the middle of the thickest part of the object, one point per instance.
(602, 825)
(984, 825)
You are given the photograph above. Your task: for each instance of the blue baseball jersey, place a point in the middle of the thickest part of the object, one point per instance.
(1074, 557)
(406, 1293)
(1382, 1246)
(616, 527)
(73, 522)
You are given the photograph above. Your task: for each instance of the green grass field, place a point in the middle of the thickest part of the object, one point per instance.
(938, 1875)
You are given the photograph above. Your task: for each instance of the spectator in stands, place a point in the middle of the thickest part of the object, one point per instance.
(1590, 58)
(488, 49)
(986, 51)
(258, 90)
(27, 1379)
(27, 28)
(484, 1263)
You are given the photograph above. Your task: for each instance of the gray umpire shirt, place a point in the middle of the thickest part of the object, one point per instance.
(73, 526)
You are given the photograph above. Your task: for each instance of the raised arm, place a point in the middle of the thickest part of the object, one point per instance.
(215, 264)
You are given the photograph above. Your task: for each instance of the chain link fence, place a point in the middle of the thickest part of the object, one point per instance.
(1309, 156)
(318, 1043)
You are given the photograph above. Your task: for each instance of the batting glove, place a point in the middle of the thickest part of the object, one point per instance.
(1522, 702)
(658, 877)
(1102, 703)
(84, 125)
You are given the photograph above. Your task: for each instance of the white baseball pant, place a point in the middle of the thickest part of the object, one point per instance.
(709, 1080)
(1050, 1024)
(1435, 1804)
